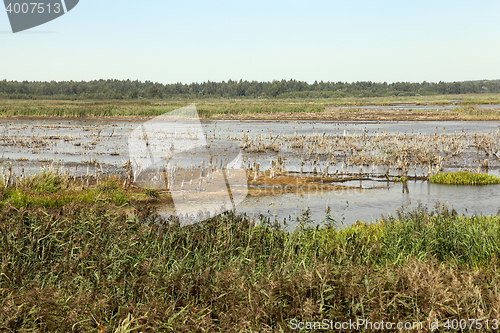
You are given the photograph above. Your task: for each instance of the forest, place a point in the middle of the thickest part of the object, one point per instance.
(127, 89)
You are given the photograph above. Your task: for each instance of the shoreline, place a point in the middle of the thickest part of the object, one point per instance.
(372, 115)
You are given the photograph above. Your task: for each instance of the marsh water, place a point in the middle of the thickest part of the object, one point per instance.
(79, 146)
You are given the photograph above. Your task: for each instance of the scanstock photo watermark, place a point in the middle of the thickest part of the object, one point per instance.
(417, 326)
(24, 15)
(171, 152)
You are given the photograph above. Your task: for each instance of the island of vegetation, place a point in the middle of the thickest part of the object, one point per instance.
(463, 178)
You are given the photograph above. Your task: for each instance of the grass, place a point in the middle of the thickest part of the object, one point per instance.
(206, 108)
(472, 112)
(463, 178)
(83, 264)
(49, 189)
(209, 108)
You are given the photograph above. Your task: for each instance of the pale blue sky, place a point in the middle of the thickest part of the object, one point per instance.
(194, 41)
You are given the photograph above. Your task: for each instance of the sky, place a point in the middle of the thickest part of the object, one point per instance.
(195, 41)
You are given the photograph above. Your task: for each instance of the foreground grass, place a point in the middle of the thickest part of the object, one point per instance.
(463, 178)
(83, 265)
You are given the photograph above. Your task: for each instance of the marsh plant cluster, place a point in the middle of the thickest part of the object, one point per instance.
(377, 154)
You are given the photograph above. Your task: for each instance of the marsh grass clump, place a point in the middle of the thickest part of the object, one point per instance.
(463, 178)
(46, 181)
(443, 235)
(50, 189)
(151, 193)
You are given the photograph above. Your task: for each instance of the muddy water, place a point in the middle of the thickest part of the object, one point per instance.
(74, 145)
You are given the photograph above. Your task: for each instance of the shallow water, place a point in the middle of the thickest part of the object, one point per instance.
(222, 128)
(72, 144)
(355, 204)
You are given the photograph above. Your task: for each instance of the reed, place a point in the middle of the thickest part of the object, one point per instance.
(397, 153)
(84, 266)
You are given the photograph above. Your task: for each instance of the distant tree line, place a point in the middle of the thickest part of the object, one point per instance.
(127, 89)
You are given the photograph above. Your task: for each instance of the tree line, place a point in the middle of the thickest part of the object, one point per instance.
(127, 89)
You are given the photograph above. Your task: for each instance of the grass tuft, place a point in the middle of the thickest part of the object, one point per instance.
(46, 181)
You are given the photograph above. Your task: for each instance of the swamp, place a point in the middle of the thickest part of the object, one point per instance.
(358, 208)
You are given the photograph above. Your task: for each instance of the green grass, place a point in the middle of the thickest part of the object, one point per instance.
(442, 235)
(463, 178)
(49, 189)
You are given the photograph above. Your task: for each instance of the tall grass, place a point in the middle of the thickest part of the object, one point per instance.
(83, 265)
(442, 235)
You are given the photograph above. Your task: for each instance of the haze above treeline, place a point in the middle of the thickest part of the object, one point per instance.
(127, 89)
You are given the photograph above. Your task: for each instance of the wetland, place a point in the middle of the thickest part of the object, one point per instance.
(345, 217)
(352, 168)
